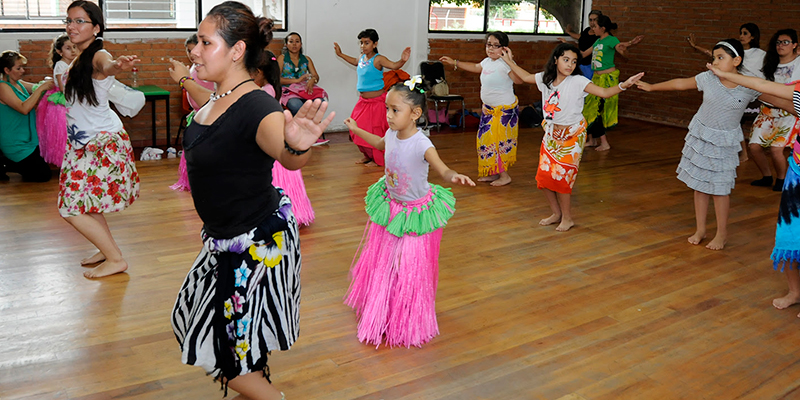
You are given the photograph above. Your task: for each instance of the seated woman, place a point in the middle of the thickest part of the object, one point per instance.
(299, 77)
(19, 142)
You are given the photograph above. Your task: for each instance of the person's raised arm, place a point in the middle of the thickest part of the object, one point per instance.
(757, 84)
(466, 66)
(622, 47)
(523, 75)
(180, 72)
(373, 140)
(383, 62)
(436, 163)
(692, 43)
(105, 65)
(605, 93)
(673, 84)
(288, 138)
(9, 98)
(350, 60)
(572, 33)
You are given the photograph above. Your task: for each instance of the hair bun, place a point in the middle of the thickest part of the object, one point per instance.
(265, 26)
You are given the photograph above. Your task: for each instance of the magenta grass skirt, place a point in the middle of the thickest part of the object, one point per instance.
(183, 177)
(292, 182)
(393, 283)
(51, 126)
(370, 115)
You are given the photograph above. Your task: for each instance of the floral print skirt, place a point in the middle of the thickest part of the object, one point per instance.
(774, 128)
(560, 156)
(99, 177)
(241, 299)
(497, 138)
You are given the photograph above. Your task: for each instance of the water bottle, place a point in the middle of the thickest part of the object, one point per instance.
(135, 76)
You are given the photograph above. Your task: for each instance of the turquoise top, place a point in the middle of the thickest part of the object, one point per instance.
(369, 77)
(18, 138)
(291, 71)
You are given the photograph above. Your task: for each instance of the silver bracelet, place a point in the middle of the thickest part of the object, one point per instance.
(620, 87)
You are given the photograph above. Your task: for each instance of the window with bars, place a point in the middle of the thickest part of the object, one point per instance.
(510, 16)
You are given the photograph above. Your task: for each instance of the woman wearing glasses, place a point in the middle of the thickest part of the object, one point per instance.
(498, 129)
(98, 174)
(773, 127)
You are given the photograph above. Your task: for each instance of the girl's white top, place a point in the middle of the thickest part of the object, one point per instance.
(406, 168)
(497, 88)
(85, 121)
(563, 104)
(59, 69)
(753, 62)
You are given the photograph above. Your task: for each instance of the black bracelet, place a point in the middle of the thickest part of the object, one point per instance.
(293, 151)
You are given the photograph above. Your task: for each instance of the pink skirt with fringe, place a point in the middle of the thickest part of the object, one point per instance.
(51, 126)
(182, 185)
(292, 183)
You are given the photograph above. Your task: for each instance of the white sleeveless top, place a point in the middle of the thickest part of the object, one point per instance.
(85, 121)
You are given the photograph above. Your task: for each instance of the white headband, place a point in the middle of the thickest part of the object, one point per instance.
(730, 46)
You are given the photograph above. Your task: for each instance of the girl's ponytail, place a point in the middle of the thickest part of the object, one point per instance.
(58, 43)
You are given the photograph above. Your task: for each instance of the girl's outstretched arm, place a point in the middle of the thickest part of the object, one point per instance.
(373, 140)
(622, 47)
(605, 93)
(673, 84)
(758, 84)
(466, 66)
(692, 43)
(383, 62)
(350, 60)
(508, 57)
(432, 157)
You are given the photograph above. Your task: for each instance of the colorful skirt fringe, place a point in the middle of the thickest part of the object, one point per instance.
(393, 283)
(497, 138)
(241, 299)
(787, 233)
(99, 177)
(370, 115)
(560, 156)
(292, 183)
(51, 125)
(774, 127)
(183, 174)
(591, 103)
(709, 159)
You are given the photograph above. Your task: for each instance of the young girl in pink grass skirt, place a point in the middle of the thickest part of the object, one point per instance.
(51, 114)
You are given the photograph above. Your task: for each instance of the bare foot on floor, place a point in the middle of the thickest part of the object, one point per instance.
(697, 237)
(98, 257)
(550, 220)
(370, 164)
(789, 300)
(489, 178)
(718, 243)
(565, 225)
(590, 143)
(603, 147)
(742, 157)
(501, 181)
(364, 160)
(105, 269)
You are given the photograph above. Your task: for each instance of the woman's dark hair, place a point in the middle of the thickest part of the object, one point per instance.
(604, 21)
(500, 36)
(235, 21)
(79, 82)
(58, 44)
(191, 40)
(736, 45)
(414, 98)
(755, 33)
(286, 40)
(596, 12)
(272, 72)
(550, 68)
(772, 59)
(7, 60)
(370, 34)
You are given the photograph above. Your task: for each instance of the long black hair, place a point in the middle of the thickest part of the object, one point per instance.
(58, 44)
(272, 72)
(235, 22)
(550, 67)
(772, 59)
(737, 45)
(755, 34)
(79, 82)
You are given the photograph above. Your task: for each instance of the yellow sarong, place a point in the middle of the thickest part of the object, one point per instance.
(497, 138)
(591, 104)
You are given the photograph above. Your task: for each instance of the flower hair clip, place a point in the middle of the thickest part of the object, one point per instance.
(413, 82)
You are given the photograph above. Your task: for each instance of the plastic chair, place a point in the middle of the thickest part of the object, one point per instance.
(433, 72)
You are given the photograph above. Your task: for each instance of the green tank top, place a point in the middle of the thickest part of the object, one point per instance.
(18, 138)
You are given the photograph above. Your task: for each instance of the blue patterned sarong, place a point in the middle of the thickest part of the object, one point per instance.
(787, 234)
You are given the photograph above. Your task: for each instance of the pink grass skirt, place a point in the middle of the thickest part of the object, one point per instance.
(393, 284)
(183, 177)
(370, 115)
(51, 126)
(292, 183)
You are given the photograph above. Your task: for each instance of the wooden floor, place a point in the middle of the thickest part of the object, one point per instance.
(620, 307)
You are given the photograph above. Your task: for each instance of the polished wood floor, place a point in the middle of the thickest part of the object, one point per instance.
(619, 307)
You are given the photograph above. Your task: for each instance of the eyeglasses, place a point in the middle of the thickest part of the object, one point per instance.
(493, 46)
(78, 21)
(783, 42)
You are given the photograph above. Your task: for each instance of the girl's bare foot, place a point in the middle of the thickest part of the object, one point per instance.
(564, 225)
(501, 181)
(789, 300)
(603, 147)
(364, 160)
(370, 163)
(697, 237)
(718, 243)
(590, 143)
(743, 157)
(106, 268)
(96, 258)
(489, 178)
(550, 220)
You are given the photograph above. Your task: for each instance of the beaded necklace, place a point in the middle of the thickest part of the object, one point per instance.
(214, 96)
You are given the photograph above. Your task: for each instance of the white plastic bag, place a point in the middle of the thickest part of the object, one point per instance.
(127, 101)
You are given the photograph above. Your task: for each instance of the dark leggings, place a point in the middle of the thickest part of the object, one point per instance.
(33, 168)
(596, 129)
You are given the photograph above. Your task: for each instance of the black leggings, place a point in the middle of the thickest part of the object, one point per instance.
(596, 129)
(33, 168)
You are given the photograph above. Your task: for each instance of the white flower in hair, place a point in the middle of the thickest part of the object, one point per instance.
(413, 82)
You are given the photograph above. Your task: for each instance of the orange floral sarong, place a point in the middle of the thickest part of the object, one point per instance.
(560, 156)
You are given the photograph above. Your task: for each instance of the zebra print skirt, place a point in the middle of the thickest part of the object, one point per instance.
(241, 298)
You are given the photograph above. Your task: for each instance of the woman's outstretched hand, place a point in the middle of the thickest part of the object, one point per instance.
(178, 70)
(303, 129)
(126, 63)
